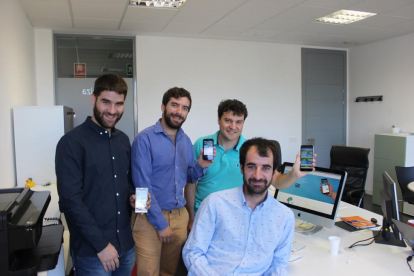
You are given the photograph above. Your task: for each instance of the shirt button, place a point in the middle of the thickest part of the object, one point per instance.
(117, 231)
(119, 213)
(106, 131)
(101, 133)
(117, 194)
(251, 232)
(115, 176)
(243, 263)
(113, 157)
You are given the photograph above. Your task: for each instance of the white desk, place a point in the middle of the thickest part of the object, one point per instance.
(374, 259)
(410, 186)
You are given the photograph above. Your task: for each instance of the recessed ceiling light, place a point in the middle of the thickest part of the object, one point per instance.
(345, 17)
(157, 3)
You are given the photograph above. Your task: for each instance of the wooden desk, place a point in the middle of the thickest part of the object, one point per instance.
(375, 259)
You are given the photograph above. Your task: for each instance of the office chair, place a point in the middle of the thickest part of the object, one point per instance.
(355, 162)
(279, 154)
(405, 175)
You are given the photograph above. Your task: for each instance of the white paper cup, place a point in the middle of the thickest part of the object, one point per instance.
(334, 244)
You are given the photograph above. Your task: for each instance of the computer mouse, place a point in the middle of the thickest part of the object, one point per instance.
(374, 220)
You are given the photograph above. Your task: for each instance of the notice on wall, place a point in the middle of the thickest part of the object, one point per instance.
(80, 70)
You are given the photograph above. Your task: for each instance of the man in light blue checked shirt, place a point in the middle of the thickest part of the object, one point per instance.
(243, 231)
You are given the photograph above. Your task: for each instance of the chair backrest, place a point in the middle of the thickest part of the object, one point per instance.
(354, 161)
(279, 154)
(405, 175)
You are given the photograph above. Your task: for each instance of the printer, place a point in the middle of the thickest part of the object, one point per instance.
(26, 246)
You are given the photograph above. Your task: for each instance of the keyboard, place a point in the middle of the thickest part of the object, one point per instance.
(296, 246)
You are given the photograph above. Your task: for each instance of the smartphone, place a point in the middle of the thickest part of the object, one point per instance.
(208, 149)
(141, 198)
(306, 157)
(325, 186)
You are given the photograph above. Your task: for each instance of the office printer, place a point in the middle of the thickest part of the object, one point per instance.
(27, 247)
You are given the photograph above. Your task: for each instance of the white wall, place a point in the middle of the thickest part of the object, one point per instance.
(17, 78)
(44, 67)
(265, 76)
(384, 68)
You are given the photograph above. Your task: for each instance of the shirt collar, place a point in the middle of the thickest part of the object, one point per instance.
(236, 147)
(261, 205)
(97, 128)
(158, 128)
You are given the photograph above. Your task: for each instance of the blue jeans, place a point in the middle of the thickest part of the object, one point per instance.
(93, 267)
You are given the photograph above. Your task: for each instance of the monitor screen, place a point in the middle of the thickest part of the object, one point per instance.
(315, 197)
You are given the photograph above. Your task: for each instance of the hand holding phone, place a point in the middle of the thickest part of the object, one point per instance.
(208, 149)
(325, 186)
(306, 157)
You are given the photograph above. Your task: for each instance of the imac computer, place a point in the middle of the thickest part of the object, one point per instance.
(310, 201)
(389, 207)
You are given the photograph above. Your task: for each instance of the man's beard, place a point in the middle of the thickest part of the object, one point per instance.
(252, 190)
(99, 117)
(170, 123)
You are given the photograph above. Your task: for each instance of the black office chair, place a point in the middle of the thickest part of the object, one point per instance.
(405, 175)
(279, 153)
(355, 162)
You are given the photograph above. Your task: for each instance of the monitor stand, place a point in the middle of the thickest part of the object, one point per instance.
(389, 239)
(308, 231)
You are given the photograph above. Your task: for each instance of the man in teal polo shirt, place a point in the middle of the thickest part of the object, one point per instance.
(224, 173)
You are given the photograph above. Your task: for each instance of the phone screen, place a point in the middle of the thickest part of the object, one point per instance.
(208, 149)
(325, 186)
(306, 157)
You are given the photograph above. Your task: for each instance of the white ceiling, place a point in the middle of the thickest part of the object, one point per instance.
(278, 21)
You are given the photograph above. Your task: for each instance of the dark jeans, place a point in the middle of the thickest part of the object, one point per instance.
(93, 267)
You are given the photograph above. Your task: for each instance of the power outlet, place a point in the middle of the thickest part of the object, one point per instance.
(293, 139)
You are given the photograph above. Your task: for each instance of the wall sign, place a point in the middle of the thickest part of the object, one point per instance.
(80, 70)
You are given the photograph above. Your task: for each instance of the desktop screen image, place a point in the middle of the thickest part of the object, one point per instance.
(306, 196)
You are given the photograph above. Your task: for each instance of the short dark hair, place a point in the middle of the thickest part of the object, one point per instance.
(176, 92)
(262, 145)
(236, 106)
(110, 82)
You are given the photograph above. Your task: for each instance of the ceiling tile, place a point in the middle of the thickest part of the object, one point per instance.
(51, 22)
(184, 28)
(46, 8)
(223, 31)
(102, 2)
(259, 33)
(151, 27)
(379, 21)
(102, 24)
(225, 6)
(380, 6)
(403, 27)
(335, 4)
(103, 12)
(263, 8)
(306, 13)
(235, 20)
(406, 11)
(279, 24)
(136, 13)
(197, 18)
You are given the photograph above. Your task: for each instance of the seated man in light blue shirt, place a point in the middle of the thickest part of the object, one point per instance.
(244, 230)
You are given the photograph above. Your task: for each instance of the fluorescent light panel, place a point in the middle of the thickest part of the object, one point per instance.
(345, 17)
(157, 3)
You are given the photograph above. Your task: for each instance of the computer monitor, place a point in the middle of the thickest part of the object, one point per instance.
(307, 201)
(389, 207)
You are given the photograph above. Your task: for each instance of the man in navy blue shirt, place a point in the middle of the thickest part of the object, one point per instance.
(95, 185)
